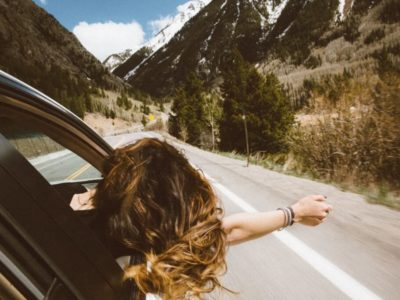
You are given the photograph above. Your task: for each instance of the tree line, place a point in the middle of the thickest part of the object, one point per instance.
(215, 118)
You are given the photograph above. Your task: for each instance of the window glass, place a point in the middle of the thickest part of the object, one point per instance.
(56, 163)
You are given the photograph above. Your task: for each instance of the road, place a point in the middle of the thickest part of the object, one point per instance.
(355, 254)
(67, 166)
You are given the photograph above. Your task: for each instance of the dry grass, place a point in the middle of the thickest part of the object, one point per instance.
(354, 143)
(360, 145)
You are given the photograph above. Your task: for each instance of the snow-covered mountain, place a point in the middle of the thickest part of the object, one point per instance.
(288, 31)
(186, 11)
(172, 25)
(200, 45)
(114, 60)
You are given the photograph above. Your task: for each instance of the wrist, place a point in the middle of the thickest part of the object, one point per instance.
(297, 213)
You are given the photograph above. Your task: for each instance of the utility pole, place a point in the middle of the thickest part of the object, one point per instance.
(247, 139)
(211, 106)
(212, 132)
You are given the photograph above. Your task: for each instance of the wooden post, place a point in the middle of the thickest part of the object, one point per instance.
(247, 139)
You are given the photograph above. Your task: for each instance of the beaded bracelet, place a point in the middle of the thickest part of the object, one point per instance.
(292, 214)
(289, 216)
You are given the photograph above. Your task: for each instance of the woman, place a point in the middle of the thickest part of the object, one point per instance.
(155, 207)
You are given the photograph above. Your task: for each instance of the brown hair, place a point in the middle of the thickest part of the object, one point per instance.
(155, 203)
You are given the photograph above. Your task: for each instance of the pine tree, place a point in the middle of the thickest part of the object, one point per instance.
(144, 108)
(235, 73)
(177, 123)
(112, 114)
(127, 102)
(120, 101)
(264, 103)
(188, 118)
(213, 109)
(144, 121)
(78, 107)
(88, 103)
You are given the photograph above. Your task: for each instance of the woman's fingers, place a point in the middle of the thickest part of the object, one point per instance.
(320, 197)
(313, 209)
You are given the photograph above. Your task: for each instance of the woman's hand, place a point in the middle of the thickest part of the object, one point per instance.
(82, 201)
(311, 210)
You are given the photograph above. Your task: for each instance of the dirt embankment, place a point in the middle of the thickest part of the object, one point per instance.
(126, 120)
(107, 126)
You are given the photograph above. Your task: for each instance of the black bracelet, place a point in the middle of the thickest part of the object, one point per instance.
(292, 214)
(286, 218)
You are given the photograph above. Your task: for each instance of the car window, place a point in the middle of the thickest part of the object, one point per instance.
(56, 163)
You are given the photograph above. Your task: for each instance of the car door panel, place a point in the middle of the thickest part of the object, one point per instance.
(30, 203)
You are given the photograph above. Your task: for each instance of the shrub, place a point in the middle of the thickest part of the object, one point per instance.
(112, 115)
(313, 61)
(388, 60)
(350, 28)
(390, 12)
(331, 87)
(374, 35)
(144, 121)
(361, 146)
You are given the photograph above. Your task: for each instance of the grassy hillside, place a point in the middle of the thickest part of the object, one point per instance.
(35, 48)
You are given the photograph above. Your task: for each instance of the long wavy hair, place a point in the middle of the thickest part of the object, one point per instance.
(156, 204)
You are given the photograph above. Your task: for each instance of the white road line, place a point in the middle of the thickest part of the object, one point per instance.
(343, 281)
(49, 157)
(53, 162)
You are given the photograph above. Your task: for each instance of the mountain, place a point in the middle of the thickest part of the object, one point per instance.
(186, 11)
(287, 31)
(114, 60)
(37, 49)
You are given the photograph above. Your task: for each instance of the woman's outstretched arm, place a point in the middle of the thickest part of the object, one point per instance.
(242, 227)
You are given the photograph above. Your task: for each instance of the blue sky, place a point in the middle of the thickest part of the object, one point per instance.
(118, 19)
(70, 12)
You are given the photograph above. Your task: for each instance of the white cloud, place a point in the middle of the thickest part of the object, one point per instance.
(161, 23)
(103, 39)
(43, 2)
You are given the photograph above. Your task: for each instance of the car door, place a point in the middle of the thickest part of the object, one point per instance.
(45, 252)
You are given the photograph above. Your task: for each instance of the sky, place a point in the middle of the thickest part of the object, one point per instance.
(105, 27)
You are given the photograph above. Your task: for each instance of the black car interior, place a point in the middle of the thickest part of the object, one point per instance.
(34, 211)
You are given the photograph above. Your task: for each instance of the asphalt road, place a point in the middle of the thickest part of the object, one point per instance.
(355, 254)
(67, 166)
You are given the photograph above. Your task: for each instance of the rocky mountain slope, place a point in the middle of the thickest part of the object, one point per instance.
(36, 48)
(278, 35)
(186, 11)
(354, 41)
(114, 60)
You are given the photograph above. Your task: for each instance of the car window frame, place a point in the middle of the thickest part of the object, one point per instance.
(20, 101)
